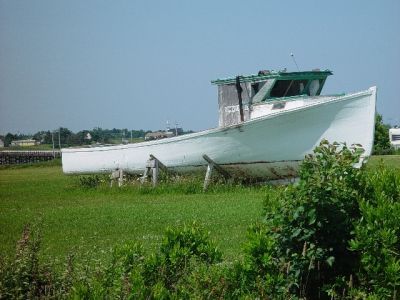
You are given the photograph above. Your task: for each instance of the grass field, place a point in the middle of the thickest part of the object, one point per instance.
(387, 160)
(91, 221)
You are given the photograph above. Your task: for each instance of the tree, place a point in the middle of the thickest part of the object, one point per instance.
(44, 137)
(8, 138)
(381, 139)
(65, 136)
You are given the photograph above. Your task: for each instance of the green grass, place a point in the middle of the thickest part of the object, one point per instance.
(74, 219)
(91, 221)
(387, 160)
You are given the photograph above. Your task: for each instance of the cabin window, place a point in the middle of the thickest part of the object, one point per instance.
(255, 87)
(287, 88)
(395, 137)
(314, 87)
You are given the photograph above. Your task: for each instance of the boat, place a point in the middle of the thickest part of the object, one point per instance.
(268, 122)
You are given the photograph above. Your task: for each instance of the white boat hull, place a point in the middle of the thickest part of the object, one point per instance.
(270, 146)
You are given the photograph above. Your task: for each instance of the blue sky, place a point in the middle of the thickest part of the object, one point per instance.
(136, 64)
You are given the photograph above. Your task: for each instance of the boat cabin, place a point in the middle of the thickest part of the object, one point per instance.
(238, 95)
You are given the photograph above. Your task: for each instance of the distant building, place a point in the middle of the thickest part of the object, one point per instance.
(394, 136)
(177, 131)
(24, 143)
(1, 143)
(158, 135)
(88, 136)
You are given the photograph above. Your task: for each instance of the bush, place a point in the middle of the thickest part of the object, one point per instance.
(181, 249)
(303, 245)
(92, 181)
(377, 235)
(334, 235)
(25, 277)
(164, 274)
(184, 255)
(120, 278)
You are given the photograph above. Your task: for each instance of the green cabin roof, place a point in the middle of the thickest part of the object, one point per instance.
(281, 75)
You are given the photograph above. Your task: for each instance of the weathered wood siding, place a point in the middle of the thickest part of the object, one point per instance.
(228, 100)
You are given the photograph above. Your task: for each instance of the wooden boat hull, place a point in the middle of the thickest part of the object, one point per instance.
(268, 147)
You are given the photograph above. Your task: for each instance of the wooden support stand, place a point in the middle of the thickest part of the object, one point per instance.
(153, 166)
(210, 167)
(117, 175)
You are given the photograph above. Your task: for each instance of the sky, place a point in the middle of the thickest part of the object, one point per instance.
(136, 64)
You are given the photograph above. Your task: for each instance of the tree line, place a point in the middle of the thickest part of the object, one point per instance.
(68, 138)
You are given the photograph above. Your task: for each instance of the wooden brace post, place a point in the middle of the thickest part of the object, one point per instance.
(154, 169)
(117, 174)
(153, 166)
(160, 164)
(210, 166)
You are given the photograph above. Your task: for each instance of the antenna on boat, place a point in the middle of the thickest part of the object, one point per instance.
(292, 55)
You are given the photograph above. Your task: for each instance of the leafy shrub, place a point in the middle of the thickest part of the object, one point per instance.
(91, 181)
(303, 245)
(180, 250)
(261, 269)
(120, 278)
(377, 235)
(24, 277)
(303, 248)
(161, 275)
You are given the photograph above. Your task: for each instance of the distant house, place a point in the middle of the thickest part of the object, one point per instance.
(177, 130)
(1, 143)
(88, 136)
(158, 135)
(24, 143)
(394, 136)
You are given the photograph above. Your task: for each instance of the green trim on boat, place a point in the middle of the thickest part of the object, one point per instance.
(307, 75)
